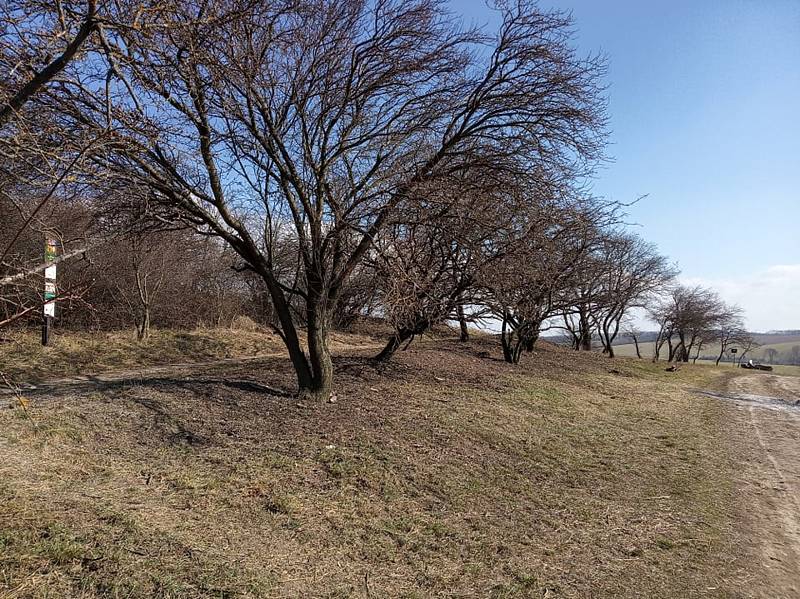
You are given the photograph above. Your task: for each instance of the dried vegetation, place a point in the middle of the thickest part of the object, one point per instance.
(443, 474)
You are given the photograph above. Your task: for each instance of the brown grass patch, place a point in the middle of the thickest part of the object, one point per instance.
(72, 353)
(447, 473)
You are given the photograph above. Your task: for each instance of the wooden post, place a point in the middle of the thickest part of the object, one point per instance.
(47, 324)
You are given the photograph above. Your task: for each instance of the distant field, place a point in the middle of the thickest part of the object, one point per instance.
(781, 343)
(629, 350)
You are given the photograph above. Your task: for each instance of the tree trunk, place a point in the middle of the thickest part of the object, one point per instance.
(143, 326)
(604, 342)
(394, 343)
(585, 332)
(636, 345)
(516, 353)
(606, 339)
(659, 342)
(530, 341)
(529, 344)
(506, 337)
(573, 333)
(319, 356)
(611, 331)
(518, 340)
(462, 322)
(680, 352)
(687, 349)
(288, 331)
(401, 336)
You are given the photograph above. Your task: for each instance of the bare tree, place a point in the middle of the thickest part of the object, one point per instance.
(794, 354)
(22, 253)
(747, 344)
(531, 285)
(462, 323)
(771, 354)
(577, 317)
(688, 316)
(731, 332)
(429, 261)
(629, 271)
(326, 117)
(660, 314)
(38, 40)
(39, 157)
(141, 264)
(632, 330)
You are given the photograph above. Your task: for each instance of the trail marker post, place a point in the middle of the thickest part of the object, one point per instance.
(49, 309)
(733, 352)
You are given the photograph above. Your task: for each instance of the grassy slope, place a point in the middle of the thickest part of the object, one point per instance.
(447, 474)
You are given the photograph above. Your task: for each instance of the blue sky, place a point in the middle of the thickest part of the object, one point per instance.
(705, 119)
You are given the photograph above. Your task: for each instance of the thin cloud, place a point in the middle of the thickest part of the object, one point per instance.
(769, 297)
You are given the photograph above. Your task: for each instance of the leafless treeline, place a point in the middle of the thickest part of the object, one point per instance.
(691, 318)
(311, 161)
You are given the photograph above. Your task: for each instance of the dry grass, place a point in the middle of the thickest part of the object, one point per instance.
(72, 353)
(447, 474)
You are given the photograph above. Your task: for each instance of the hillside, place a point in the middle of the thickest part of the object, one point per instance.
(444, 473)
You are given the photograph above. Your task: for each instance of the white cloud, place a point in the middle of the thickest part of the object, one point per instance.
(770, 297)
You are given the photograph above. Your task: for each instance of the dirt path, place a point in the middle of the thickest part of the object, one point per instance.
(99, 382)
(770, 482)
(213, 371)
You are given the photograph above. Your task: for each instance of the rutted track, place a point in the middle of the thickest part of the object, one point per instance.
(768, 413)
(752, 400)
